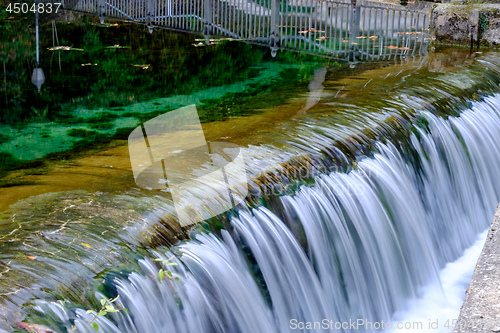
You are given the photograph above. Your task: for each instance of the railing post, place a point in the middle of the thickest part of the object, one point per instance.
(150, 14)
(474, 27)
(208, 16)
(354, 30)
(101, 10)
(275, 17)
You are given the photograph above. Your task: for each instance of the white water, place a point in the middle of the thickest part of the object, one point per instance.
(376, 241)
(438, 309)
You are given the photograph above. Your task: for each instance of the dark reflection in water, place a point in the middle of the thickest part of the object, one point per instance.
(103, 79)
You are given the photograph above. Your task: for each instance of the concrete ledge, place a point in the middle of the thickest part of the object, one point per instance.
(476, 25)
(481, 308)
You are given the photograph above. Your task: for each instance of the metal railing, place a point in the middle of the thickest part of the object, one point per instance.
(335, 28)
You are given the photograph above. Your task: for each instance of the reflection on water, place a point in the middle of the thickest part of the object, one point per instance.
(74, 220)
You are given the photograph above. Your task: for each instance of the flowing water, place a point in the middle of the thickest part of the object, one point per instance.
(366, 190)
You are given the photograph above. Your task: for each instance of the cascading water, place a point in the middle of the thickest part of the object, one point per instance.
(353, 246)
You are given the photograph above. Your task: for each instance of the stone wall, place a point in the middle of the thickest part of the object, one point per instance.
(476, 25)
(480, 311)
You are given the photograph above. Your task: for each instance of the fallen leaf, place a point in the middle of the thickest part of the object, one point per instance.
(31, 257)
(87, 245)
(64, 48)
(373, 37)
(36, 328)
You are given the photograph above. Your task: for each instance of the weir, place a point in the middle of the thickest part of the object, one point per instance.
(367, 191)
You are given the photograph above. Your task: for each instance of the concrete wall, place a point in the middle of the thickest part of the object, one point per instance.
(480, 312)
(478, 25)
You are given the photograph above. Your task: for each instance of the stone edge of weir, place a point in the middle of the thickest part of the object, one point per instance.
(474, 25)
(480, 311)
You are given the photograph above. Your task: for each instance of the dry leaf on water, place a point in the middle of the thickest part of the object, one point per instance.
(36, 328)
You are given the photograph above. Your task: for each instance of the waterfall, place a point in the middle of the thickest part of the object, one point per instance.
(354, 246)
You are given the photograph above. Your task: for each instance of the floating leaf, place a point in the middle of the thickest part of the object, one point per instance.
(31, 257)
(64, 48)
(87, 245)
(35, 328)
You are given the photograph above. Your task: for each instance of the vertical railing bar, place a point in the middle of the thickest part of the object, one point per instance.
(227, 16)
(348, 27)
(329, 21)
(247, 13)
(261, 20)
(222, 9)
(256, 26)
(345, 12)
(281, 23)
(194, 21)
(170, 11)
(189, 12)
(339, 19)
(316, 34)
(268, 23)
(382, 43)
(284, 22)
(376, 52)
(301, 26)
(413, 33)
(405, 39)
(423, 34)
(184, 19)
(295, 26)
(240, 22)
(369, 31)
(323, 27)
(336, 30)
(309, 26)
(392, 32)
(227, 24)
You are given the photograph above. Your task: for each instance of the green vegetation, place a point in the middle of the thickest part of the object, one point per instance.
(107, 306)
